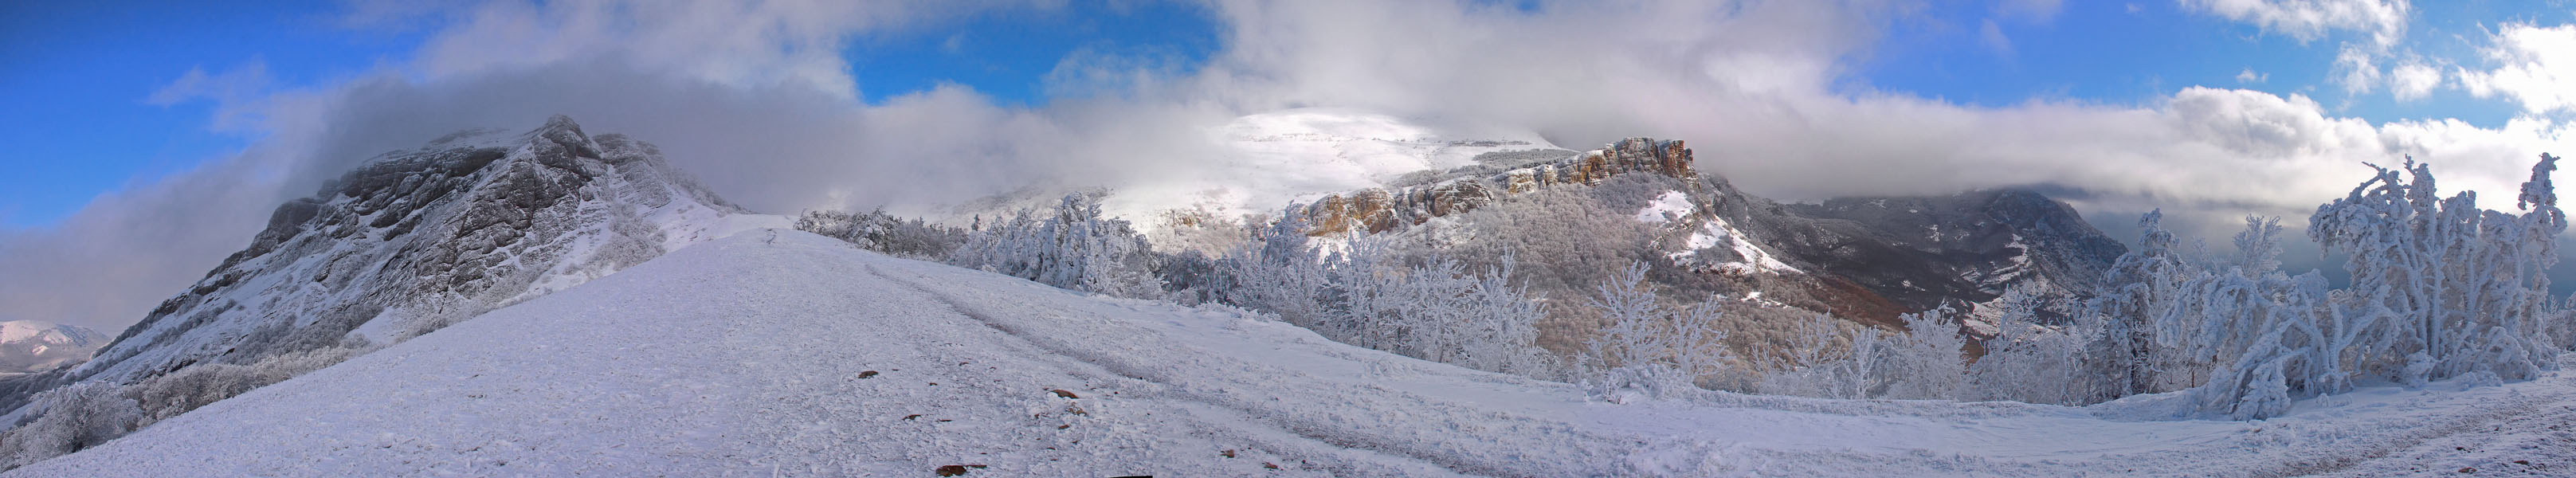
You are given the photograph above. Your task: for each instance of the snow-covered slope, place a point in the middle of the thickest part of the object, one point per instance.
(803, 356)
(416, 239)
(36, 346)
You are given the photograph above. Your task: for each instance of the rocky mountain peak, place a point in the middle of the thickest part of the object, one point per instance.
(415, 239)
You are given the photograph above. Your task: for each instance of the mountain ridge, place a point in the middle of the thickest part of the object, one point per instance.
(415, 239)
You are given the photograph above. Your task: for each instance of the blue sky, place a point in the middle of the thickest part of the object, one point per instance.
(81, 74)
(2141, 51)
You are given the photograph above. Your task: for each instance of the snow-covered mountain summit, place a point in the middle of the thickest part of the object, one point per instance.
(37, 346)
(1267, 160)
(413, 240)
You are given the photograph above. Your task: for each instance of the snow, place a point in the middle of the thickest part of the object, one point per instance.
(1717, 232)
(21, 330)
(1270, 159)
(1666, 208)
(744, 356)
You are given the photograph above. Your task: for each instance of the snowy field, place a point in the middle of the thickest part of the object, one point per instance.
(803, 356)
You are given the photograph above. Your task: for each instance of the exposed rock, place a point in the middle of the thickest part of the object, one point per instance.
(1380, 209)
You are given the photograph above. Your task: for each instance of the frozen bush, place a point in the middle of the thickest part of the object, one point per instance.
(86, 414)
(881, 232)
(2034, 363)
(1438, 309)
(1073, 248)
(1642, 335)
(70, 419)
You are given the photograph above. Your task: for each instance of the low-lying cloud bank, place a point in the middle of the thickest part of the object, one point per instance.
(756, 100)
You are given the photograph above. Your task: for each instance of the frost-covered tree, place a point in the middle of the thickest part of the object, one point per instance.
(1439, 309)
(2136, 292)
(69, 419)
(2454, 289)
(878, 231)
(2032, 362)
(1072, 248)
(1927, 361)
(2440, 289)
(1644, 345)
(1824, 362)
(1276, 272)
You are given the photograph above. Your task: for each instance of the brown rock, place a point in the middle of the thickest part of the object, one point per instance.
(1379, 210)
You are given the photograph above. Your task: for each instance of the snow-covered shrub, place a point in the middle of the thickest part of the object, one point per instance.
(881, 232)
(1072, 248)
(1635, 383)
(2440, 288)
(2465, 289)
(2137, 292)
(89, 413)
(1927, 362)
(189, 388)
(1567, 242)
(1828, 363)
(2030, 362)
(70, 419)
(1276, 272)
(1828, 359)
(1642, 335)
(1196, 230)
(1439, 309)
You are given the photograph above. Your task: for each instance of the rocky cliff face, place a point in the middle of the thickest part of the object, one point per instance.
(416, 239)
(1382, 209)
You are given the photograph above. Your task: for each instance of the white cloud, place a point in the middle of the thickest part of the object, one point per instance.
(1993, 38)
(742, 44)
(2249, 76)
(2308, 20)
(107, 264)
(2536, 66)
(236, 93)
(2354, 71)
(2413, 80)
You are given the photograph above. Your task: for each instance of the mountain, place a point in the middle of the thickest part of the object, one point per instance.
(35, 346)
(804, 356)
(1868, 259)
(414, 240)
(1990, 239)
(1255, 164)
